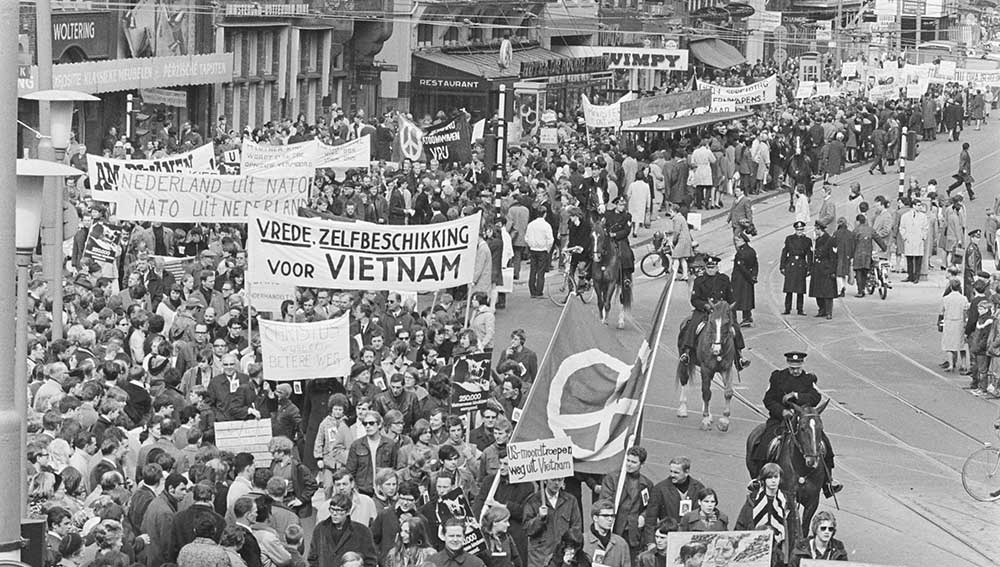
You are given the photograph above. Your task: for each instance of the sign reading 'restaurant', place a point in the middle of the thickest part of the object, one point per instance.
(346, 255)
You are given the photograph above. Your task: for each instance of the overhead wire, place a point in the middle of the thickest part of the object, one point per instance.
(579, 26)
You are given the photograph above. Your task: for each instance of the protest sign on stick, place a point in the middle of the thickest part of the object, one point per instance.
(250, 436)
(530, 461)
(300, 351)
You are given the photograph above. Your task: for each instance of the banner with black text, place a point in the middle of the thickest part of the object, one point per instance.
(345, 255)
(300, 351)
(206, 197)
(103, 172)
(724, 98)
(450, 142)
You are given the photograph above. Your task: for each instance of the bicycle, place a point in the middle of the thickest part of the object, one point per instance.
(981, 471)
(879, 277)
(560, 289)
(656, 262)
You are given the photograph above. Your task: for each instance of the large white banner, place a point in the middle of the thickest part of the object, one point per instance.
(103, 172)
(342, 255)
(604, 115)
(732, 549)
(761, 92)
(300, 351)
(208, 197)
(353, 154)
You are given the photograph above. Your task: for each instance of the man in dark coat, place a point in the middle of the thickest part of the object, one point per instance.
(338, 534)
(158, 522)
(823, 285)
(745, 271)
(796, 259)
(792, 384)
(973, 261)
(186, 520)
(878, 151)
(843, 241)
(964, 174)
(709, 288)
(230, 393)
(863, 237)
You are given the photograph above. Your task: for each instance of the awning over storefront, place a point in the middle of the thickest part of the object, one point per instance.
(692, 121)
(480, 65)
(716, 53)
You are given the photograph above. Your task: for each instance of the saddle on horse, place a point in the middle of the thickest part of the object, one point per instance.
(690, 331)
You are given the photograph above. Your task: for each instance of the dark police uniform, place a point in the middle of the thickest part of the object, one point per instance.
(796, 259)
(619, 226)
(823, 285)
(708, 289)
(783, 382)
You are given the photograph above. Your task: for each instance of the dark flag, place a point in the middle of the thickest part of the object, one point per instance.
(591, 386)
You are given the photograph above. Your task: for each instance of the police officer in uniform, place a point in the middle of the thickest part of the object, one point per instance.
(709, 288)
(823, 284)
(792, 384)
(796, 260)
(618, 223)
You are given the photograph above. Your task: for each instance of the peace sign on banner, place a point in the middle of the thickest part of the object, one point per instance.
(411, 144)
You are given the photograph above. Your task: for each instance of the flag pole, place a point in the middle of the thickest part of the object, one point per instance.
(648, 371)
(531, 393)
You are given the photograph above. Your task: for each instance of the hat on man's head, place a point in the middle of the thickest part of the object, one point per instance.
(795, 357)
(983, 274)
(976, 232)
(712, 260)
(799, 225)
(820, 225)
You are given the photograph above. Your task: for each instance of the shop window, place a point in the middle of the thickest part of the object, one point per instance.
(425, 35)
(451, 36)
(476, 35)
(244, 50)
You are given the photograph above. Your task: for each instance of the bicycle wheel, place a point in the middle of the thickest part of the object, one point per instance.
(981, 474)
(558, 290)
(883, 290)
(586, 293)
(652, 265)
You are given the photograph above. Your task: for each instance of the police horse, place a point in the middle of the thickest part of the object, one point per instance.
(799, 451)
(607, 274)
(715, 354)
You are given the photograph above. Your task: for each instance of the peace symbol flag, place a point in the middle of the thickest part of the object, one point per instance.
(409, 141)
(591, 385)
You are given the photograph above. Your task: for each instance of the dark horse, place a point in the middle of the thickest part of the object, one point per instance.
(800, 454)
(714, 354)
(606, 271)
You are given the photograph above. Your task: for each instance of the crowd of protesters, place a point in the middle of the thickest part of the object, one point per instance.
(123, 462)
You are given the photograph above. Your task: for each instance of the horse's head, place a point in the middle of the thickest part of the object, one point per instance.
(808, 431)
(720, 324)
(600, 240)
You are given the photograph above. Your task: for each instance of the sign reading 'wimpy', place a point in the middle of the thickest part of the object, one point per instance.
(322, 253)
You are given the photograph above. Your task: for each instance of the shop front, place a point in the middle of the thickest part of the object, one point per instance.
(538, 79)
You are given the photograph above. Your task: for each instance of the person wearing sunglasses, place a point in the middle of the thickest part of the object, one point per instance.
(820, 544)
(370, 453)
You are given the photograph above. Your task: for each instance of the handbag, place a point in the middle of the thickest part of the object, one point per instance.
(940, 323)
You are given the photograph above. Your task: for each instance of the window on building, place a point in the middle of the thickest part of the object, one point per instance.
(425, 35)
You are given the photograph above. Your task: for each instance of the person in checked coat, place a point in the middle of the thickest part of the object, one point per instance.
(744, 278)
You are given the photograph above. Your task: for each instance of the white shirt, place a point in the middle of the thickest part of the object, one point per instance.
(538, 235)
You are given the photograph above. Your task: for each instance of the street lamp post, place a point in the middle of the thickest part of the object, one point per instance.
(32, 175)
(60, 111)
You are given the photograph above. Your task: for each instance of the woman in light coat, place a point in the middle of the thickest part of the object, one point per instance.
(702, 159)
(639, 199)
(953, 308)
(802, 205)
(680, 236)
(954, 230)
(913, 232)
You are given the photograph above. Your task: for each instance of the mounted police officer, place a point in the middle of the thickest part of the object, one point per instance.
(618, 223)
(791, 384)
(709, 288)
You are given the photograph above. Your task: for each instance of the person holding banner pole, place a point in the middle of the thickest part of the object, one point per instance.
(632, 499)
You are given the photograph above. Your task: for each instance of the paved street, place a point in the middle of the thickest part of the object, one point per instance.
(901, 427)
